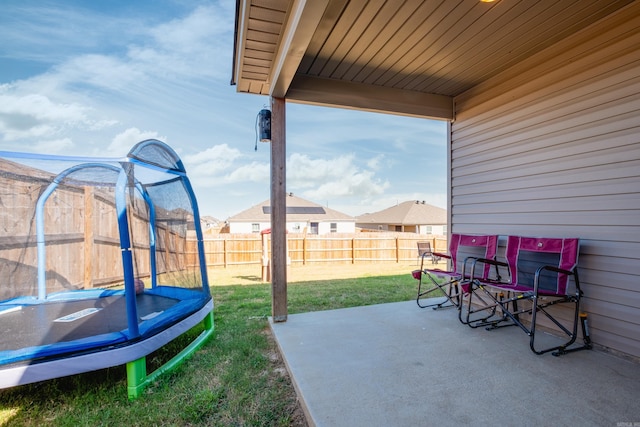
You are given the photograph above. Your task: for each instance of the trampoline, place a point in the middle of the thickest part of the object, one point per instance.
(102, 263)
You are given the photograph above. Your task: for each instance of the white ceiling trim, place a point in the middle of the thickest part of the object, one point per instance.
(241, 36)
(300, 27)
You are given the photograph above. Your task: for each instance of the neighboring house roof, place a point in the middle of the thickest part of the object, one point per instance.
(209, 219)
(412, 212)
(298, 209)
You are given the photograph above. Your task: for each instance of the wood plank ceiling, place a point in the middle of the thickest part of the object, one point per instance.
(404, 56)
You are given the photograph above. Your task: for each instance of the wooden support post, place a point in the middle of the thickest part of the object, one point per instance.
(278, 211)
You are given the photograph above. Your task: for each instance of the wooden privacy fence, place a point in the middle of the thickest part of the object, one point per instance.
(81, 236)
(238, 249)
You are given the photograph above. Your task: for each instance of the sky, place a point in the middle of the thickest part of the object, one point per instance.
(93, 78)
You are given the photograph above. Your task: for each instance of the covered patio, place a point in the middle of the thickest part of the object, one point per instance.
(399, 365)
(542, 101)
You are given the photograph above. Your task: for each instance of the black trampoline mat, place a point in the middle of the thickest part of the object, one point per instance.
(35, 325)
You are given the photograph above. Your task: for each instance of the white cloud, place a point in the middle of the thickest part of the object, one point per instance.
(190, 46)
(374, 163)
(123, 142)
(314, 178)
(210, 163)
(190, 33)
(34, 27)
(323, 179)
(36, 118)
(361, 184)
(100, 71)
(303, 171)
(57, 146)
(400, 144)
(254, 172)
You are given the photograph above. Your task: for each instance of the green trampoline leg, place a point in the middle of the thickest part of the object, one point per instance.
(136, 377)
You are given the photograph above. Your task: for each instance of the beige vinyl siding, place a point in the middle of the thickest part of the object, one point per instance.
(551, 148)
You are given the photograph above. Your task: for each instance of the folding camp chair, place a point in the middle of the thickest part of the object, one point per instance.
(424, 250)
(461, 249)
(540, 272)
(475, 309)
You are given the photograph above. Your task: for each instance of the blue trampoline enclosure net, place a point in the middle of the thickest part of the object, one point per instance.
(95, 251)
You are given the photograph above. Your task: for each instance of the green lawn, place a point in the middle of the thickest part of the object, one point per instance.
(236, 379)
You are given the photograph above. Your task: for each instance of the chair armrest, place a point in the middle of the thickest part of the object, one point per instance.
(556, 269)
(536, 277)
(493, 262)
(430, 254)
(441, 255)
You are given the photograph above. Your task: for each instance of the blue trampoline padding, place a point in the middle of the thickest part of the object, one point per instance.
(25, 373)
(177, 293)
(64, 296)
(161, 290)
(12, 356)
(170, 316)
(189, 301)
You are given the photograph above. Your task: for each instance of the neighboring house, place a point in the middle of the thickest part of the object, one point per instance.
(413, 216)
(210, 225)
(303, 216)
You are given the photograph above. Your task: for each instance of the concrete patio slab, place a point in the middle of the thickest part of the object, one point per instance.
(399, 365)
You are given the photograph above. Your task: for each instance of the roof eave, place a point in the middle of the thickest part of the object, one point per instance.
(303, 19)
(364, 97)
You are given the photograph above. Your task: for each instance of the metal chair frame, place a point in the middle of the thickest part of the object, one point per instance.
(530, 292)
(424, 250)
(451, 282)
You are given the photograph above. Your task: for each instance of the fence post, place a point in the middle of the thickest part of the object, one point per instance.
(304, 250)
(88, 236)
(266, 261)
(224, 252)
(353, 250)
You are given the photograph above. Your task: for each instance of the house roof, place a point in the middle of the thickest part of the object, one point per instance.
(412, 212)
(298, 209)
(409, 57)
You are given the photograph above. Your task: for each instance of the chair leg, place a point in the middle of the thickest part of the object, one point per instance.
(487, 308)
(451, 294)
(586, 338)
(572, 334)
(513, 317)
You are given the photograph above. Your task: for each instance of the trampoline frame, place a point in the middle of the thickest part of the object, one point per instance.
(131, 354)
(137, 346)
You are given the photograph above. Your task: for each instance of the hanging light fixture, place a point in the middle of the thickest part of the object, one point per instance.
(264, 125)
